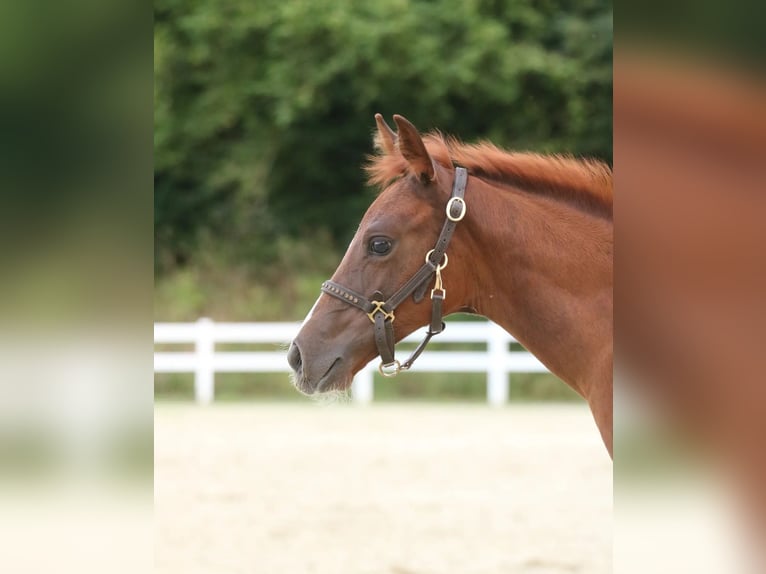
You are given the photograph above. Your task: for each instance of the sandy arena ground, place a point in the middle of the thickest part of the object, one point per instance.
(281, 489)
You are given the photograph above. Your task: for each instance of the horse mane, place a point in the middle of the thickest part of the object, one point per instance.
(587, 183)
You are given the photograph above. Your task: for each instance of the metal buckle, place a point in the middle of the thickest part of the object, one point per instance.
(462, 210)
(396, 365)
(379, 307)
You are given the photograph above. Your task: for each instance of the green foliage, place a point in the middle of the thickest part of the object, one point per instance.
(220, 287)
(263, 110)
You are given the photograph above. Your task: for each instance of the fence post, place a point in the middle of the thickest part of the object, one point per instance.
(497, 376)
(362, 389)
(204, 374)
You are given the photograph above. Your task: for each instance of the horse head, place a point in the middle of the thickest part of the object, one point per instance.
(382, 289)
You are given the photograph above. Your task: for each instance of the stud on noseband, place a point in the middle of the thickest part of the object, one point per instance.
(381, 312)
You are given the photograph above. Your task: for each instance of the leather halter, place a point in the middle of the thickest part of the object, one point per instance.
(381, 311)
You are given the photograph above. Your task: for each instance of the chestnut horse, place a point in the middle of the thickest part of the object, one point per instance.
(523, 239)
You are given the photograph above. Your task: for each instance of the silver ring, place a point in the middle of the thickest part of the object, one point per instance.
(396, 365)
(462, 210)
(446, 259)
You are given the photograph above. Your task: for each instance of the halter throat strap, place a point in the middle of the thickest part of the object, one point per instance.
(380, 311)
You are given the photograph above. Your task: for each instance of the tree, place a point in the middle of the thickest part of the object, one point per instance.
(263, 111)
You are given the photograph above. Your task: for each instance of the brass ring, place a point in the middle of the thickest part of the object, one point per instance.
(446, 259)
(396, 365)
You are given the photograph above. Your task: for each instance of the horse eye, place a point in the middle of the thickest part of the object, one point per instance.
(379, 246)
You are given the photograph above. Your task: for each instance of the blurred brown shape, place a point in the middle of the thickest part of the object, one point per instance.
(690, 271)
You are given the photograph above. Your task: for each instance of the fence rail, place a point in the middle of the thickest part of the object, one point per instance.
(497, 361)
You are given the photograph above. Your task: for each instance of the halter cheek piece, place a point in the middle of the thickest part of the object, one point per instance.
(381, 311)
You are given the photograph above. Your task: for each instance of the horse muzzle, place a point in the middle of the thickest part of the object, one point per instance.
(315, 375)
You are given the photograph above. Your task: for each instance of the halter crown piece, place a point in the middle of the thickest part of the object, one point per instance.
(381, 312)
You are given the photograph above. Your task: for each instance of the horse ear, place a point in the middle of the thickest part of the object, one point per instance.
(414, 150)
(386, 136)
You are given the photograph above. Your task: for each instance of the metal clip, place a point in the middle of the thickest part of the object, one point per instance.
(438, 285)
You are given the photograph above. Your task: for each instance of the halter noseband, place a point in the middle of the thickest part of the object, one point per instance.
(381, 312)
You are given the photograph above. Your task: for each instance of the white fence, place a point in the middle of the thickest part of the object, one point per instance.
(497, 361)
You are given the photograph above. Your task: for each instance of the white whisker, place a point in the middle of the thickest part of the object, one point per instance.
(334, 397)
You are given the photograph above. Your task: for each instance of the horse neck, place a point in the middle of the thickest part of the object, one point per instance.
(542, 269)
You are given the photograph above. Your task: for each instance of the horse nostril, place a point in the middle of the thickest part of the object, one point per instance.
(294, 357)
